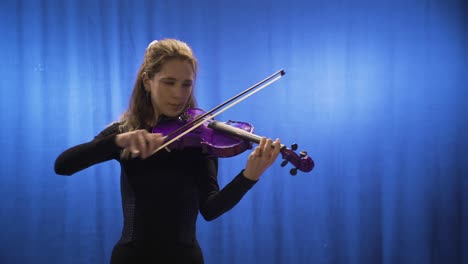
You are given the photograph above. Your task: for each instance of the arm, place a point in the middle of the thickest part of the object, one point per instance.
(100, 149)
(215, 202)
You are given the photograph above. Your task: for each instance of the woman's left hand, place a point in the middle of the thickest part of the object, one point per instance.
(261, 158)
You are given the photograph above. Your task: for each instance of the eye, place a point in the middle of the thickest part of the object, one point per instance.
(168, 82)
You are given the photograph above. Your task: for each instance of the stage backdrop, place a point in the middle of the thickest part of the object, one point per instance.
(374, 91)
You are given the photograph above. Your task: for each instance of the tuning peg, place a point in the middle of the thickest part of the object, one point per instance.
(293, 171)
(303, 153)
(284, 163)
(294, 146)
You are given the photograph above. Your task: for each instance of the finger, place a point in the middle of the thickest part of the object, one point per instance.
(153, 142)
(267, 149)
(133, 146)
(276, 148)
(139, 143)
(255, 153)
(275, 145)
(261, 146)
(134, 151)
(148, 141)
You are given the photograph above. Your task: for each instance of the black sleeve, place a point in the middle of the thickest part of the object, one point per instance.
(100, 149)
(213, 202)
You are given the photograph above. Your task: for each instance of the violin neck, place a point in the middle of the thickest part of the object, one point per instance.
(234, 131)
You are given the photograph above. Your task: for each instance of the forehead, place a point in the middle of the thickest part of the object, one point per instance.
(177, 69)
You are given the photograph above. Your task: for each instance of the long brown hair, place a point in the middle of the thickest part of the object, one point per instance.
(140, 113)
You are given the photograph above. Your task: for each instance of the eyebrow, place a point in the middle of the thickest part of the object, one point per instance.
(174, 79)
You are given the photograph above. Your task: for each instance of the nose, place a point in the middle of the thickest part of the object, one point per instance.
(177, 91)
(180, 92)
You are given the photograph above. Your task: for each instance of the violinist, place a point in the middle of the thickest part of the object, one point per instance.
(163, 192)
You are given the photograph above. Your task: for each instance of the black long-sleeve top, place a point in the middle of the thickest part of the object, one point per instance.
(161, 195)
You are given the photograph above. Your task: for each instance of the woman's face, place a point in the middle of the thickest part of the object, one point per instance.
(171, 88)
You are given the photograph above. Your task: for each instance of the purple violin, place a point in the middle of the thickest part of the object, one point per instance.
(223, 139)
(197, 128)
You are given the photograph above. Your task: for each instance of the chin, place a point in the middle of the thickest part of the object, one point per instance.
(172, 113)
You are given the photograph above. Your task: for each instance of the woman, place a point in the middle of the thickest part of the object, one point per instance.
(162, 193)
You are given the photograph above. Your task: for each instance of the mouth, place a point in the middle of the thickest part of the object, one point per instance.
(176, 105)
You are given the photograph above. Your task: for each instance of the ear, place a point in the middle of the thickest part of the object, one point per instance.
(146, 81)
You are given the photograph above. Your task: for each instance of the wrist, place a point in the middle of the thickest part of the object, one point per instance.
(118, 140)
(249, 176)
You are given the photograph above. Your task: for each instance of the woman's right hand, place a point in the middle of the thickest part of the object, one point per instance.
(139, 142)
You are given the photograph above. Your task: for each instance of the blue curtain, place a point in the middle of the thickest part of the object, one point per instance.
(375, 91)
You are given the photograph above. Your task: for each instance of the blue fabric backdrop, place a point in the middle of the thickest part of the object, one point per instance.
(375, 91)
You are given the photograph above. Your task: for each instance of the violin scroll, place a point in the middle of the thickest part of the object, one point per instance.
(301, 162)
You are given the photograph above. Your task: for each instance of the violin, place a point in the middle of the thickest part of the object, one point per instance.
(196, 128)
(225, 139)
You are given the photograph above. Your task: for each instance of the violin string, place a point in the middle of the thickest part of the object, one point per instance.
(200, 117)
(217, 113)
